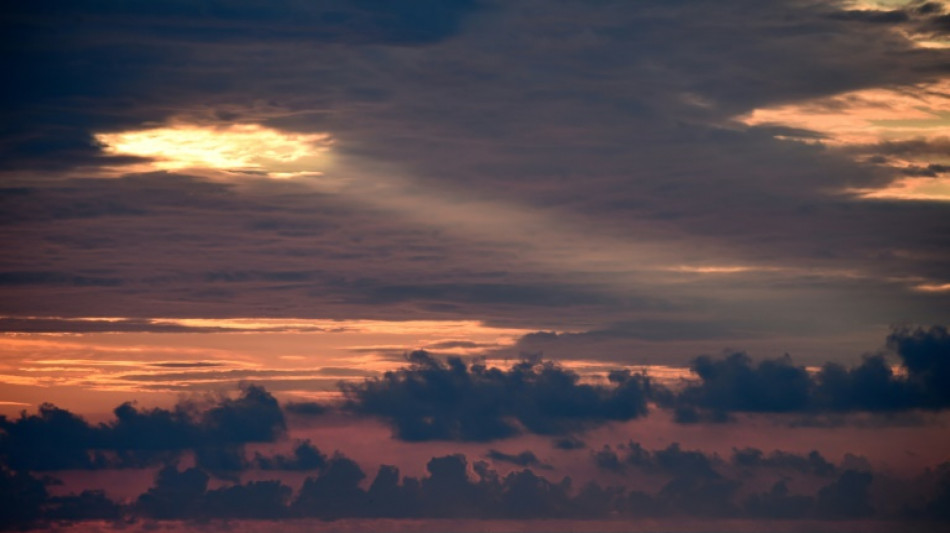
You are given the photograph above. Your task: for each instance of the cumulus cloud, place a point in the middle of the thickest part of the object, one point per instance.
(432, 400)
(736, 384)
(55, 439)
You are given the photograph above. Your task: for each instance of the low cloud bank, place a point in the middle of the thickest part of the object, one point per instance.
(454, 489)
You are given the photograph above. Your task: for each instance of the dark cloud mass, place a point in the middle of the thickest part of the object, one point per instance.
(55, 439)
(448, 491)
(431, 400)
(680, 482)
(736, 384)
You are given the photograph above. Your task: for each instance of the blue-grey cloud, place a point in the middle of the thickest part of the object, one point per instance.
(55, 439)
(736, 384)
(431, 400)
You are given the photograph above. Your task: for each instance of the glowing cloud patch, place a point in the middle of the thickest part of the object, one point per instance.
(721, 269)
(933, 189)
(866, 116)
(933, 287)
(860, 121)
(239, 147)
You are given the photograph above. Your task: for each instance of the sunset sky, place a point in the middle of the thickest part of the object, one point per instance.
(475, 265)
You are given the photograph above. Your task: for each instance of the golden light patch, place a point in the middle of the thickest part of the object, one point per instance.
(933, 287)
(298, 354)
(867, 116)
(932, 189)
(721, 269)
(239, 147)
(857, 121)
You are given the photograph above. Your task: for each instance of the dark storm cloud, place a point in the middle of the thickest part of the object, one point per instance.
(55, 439)
(431, 400)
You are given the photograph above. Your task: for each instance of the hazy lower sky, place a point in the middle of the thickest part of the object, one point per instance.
(526, 265)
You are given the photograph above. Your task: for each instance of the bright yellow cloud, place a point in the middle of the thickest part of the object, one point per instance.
(239, 147)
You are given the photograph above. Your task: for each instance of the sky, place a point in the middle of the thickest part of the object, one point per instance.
(475, 265)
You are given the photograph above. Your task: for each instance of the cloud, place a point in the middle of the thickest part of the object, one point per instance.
(335, 493)
(523, 459)
(812, 463)
(847, 497)
(778, 503)
(675, 461)
(24, 496)
(87, 505)
(925, 353)
(431, 400)
(55, 439)
(449, 491)
(735, 384)
(255, 499)
(17, 278)
(175, 494)
(671, 460)
(305, 408)
(305, 456)
(592, 123)
(568, 443)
